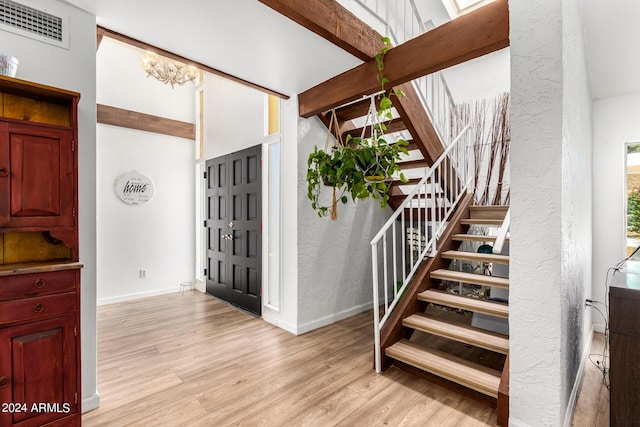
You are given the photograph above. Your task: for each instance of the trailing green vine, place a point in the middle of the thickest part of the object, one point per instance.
(359, 167)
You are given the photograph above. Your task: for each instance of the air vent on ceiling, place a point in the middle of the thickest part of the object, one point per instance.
(37, 24)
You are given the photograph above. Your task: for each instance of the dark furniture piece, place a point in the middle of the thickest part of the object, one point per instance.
(624, 339)
(39, 264)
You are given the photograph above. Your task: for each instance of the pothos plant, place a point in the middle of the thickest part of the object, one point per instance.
(359, 166)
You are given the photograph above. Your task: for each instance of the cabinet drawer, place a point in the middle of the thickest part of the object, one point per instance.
(36, 284)
(36, 308)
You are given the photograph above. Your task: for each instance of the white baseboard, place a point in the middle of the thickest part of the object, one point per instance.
(568, 415)
(599, 327)
(300, 329)
(274, 320)
(332, 318)
(138, 295)
(90, 403)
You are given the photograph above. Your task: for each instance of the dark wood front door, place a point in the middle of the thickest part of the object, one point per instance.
(234, 238)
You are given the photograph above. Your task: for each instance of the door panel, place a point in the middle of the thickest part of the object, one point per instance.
(38, 360)
(216, 192)
(41, 178)
(234, 224)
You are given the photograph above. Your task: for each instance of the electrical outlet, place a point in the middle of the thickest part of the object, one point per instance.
(143, 273)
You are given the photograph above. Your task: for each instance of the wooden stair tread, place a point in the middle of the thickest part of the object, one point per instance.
(481, 221)
(472, 304)
(475, 237)
(475, 256)
(411, 181)
(488, 212)
(459, 332)
(476, 279)
(463, 372)
(413, 164)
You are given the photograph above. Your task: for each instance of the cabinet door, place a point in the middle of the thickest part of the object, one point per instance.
(38, 172)
(38, 372)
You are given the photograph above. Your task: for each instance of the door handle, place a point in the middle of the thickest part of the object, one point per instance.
(228, 237)
(4, 172)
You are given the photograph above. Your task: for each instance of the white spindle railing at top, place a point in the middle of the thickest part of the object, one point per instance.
(402, 21)
(425, 214)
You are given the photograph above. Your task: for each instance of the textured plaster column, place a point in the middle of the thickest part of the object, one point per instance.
(536, 192)
(551, 220)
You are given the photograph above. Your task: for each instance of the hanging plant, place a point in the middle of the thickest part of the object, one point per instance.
(358, 166)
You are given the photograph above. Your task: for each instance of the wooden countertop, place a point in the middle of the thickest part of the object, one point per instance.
(38, 267)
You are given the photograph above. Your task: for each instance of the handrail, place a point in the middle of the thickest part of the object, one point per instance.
(434, 202)
(502, 233)
(406, 201)
(434, 199)
(402, 22)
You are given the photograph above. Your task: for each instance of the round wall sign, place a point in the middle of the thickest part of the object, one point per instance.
(133, 188)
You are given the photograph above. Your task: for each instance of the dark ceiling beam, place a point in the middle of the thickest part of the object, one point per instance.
(332, 21)
(470, 36)
(104, 32)
(108, 115)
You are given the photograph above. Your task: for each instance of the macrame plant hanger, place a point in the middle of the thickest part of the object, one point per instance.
(333, 123)
(373, 122)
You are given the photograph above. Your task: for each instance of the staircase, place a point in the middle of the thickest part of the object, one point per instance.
(438, 340)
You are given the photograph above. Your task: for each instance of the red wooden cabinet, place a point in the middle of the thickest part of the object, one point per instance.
(40, 369)
(37, 366)
(36, 177)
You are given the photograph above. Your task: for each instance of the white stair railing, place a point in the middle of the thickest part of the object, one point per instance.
(424, 214)
(401, 22)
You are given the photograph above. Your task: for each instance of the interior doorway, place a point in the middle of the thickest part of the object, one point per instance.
(233, 228)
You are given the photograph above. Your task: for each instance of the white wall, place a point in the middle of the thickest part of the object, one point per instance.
(73, 69)
(577, 205)
(480, 78)
(334, 257)
(234, 117)
(158, 236)
(615, 122)
(550, 203)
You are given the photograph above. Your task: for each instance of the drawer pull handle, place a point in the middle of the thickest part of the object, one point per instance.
(4, 172)
(4, 381)
(38, 308)
(40, 283)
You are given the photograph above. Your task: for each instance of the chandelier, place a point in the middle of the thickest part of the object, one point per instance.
(166, 70)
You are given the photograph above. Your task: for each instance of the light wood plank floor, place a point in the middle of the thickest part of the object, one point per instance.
(191, 360)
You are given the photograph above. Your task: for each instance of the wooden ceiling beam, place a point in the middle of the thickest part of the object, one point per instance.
(332, 21)
(470, 36)
(114, 116)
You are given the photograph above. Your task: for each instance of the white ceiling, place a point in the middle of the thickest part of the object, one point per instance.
(251, 41)
(612, 32)
(240, 37)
